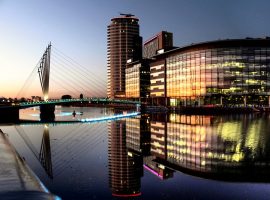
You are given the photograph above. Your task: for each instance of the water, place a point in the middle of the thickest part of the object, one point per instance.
(148, 157)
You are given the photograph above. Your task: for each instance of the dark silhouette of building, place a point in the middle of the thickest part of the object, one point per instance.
(161, 42)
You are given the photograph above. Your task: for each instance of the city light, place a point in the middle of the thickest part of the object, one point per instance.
(110, 117)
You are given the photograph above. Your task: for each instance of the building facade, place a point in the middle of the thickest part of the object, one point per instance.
(161, 41)
(123, 43)
(138, 72)
(138, 80)
(218, 72)
(158, 90)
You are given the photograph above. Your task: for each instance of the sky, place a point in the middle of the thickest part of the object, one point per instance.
(78, 28)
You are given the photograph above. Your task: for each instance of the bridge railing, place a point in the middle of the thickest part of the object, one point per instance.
(90, 100)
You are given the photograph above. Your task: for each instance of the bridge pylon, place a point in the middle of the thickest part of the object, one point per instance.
(45, 152)
(44, 72)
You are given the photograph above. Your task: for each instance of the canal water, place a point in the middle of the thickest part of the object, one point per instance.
(157, 156)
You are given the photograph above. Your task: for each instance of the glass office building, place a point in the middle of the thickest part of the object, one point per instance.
(226, 72)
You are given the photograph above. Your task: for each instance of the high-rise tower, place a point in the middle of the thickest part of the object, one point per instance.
(123, 44)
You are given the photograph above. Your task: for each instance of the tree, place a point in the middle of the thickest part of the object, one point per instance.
(66, 96)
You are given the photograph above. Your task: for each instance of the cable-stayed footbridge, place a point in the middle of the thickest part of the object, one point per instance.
(59, 75)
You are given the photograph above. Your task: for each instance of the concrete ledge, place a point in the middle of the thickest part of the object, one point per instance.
(16, 179)
(35, 195)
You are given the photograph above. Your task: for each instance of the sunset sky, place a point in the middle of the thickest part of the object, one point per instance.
(78, 28)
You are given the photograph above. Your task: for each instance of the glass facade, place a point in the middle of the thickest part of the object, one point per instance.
(157, 79)
(220, 74)
(138, 79)
(133, 81)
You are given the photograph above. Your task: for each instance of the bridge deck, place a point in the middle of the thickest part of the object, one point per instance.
(89, 100)
(16, 179)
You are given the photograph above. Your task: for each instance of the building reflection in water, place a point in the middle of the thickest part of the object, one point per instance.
(231, 148)
(234, 148)
(125, 165)
(139, 141)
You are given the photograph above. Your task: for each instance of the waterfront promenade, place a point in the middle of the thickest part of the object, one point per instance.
(207, 109)
(16, 178)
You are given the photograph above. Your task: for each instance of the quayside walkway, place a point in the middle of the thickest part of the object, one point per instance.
(207, 109)
(16, 178)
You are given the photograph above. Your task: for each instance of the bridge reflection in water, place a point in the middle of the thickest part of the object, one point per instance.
(44, 154)
(233, 148)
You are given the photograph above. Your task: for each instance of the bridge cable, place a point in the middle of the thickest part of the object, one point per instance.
(75, 77)
(59, 83)
(95, 79)
(81, 66)
(82, 149)
(67, 84)
(79, 73)
(70, 75)
(28, 82)
(71, 142)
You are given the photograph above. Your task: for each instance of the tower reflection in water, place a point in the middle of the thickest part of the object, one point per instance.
(44, 154)
(125, 166)
(231, 148)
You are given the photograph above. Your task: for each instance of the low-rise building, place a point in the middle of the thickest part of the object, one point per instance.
(138, 80)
